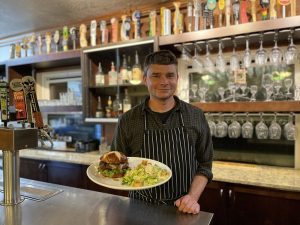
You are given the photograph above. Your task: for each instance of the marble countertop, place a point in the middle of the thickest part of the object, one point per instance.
(281, 178)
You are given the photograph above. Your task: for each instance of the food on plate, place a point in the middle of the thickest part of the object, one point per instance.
(113, 164)
(145, 174)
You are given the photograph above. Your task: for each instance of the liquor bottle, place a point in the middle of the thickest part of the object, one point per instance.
(99, 77)
(129, 68)
(108, 108)
(136, 71)
(126, 102)
(113, 75)
(99, 111)
(117, 107)
(123, 71)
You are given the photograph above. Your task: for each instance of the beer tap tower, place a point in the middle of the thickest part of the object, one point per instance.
(12, 140)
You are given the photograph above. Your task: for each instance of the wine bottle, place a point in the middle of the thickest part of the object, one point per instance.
(99, 111)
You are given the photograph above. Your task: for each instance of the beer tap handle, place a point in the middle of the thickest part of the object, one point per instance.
(4, 99)
(19, 99)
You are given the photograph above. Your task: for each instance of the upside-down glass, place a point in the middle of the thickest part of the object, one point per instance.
(234, 59)
(261, 129)
(276, 53)
(208, 62)
(220, 60)
(196, 60)
(275, 129)
(247, 128)
(261, 55)
(221, 128)
(247, 58)
(212, 125)
(234, 129)
(290, 129)
(291, 53)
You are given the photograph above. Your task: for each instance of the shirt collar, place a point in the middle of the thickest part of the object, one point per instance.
(145, 106)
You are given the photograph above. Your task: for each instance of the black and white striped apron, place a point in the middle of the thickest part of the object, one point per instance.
(173, 148)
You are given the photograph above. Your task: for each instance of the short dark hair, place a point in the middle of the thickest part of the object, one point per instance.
(162, 57)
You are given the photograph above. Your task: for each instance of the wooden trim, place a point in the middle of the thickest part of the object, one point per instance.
(233, 30)
(273, 106)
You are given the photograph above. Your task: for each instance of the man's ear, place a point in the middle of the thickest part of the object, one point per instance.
(144, 79)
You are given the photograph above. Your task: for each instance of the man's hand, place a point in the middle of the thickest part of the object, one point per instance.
(187, 204)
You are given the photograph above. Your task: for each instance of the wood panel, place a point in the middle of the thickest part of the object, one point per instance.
(272, 106)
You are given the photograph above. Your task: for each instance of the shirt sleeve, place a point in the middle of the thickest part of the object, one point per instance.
(204, 150)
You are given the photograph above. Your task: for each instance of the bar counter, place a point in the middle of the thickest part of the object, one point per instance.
(280, 178)
(75, 206)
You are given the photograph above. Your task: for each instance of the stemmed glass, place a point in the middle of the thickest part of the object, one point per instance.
(247, 128)
(267, 83)
(288, 83)
(261, 56)
(275, 129)
(291, 52)
(261, 129)
(234, 129)
(208, 62)
(221, 92)
(276, 53)
(220, 60)
(232, 88)
(203, 88)
(194, 89)
(247, 59)
(277, 85)
(290, 129)
(234, 60)
(211, 124)
(221, 128)
(184, 56)
(196, 60)
(253, 91)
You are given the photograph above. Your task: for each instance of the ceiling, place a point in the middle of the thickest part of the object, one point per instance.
(24, 16)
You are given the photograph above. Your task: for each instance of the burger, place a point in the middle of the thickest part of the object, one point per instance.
(113, 164)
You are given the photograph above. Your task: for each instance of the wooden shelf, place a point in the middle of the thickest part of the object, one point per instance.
(233, 30)
(71, 57)
(273, 106)
(62, 108)
(101, 120)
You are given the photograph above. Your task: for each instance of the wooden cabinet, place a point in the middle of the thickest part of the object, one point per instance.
(68, 174)
(234, 204)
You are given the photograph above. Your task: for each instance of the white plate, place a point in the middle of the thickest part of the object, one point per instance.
(116, 183)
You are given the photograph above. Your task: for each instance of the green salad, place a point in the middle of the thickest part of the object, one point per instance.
(145, 174)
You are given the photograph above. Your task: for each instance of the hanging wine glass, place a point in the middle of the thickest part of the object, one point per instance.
(234, 59)
(261, 129)
(211, 124)
(276, 53)
(247, 128)
(275, 129)
(184, 56)
(220, 60)
(234, 129)
(291, 52)
(247, 58)
(208, 62)
(197, 63)
(221, 128)
(261, 56)
(290, 129)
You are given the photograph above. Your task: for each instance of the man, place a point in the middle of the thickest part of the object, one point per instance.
(171, 131)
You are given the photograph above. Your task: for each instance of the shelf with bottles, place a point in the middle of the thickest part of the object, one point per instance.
(112, 69)
(103, 109)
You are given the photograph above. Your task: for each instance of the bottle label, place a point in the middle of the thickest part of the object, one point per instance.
(136, 76)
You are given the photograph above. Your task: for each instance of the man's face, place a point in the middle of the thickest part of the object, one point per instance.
(161, 81)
